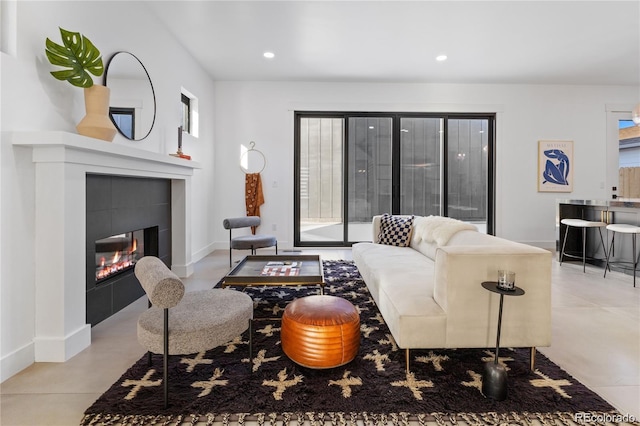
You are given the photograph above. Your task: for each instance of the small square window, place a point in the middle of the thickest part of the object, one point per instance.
(186, 113)
(125, 120)
(189, 108)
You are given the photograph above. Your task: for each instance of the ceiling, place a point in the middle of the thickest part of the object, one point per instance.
(505, 42)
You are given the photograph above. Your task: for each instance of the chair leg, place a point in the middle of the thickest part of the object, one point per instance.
(564, 243)
(276, 247)
(407, 357)
(604, 246)
(230, 260)
(149, 352)
(166, 358)
(606, 265)
(584, 249)
(250, 345)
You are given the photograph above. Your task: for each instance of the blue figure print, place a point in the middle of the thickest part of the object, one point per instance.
(556, 168)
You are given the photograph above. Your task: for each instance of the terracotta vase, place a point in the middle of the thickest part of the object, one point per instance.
(96, 123)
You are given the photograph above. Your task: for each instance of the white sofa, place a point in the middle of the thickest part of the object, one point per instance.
(430, 293)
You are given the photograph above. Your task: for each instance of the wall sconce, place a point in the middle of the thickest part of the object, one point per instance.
(635, 115)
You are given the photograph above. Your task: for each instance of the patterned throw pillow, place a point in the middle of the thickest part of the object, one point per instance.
(395, 230)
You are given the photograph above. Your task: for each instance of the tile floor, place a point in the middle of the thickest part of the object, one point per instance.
(596, 338)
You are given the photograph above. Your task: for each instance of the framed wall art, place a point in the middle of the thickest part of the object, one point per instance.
(555, 166)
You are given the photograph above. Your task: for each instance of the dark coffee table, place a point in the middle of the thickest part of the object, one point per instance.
(277, 271)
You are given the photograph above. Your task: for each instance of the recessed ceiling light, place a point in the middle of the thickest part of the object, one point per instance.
(371, 127)
(441, 58)
(269, 55)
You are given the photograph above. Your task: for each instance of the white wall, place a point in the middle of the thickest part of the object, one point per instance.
(263, 112)
(33, 100)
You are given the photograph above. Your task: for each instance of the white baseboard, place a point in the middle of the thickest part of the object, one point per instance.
(202, 253)
(55, 349)
(182, 271)
(17, 361)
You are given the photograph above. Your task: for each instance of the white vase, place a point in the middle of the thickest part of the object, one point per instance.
(96, 123)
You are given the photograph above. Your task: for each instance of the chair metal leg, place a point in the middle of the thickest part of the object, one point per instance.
(230, 259)
(604, 246)
(407, 360)
(276, 247)
(166, 358)
(611, 246)
(564, 243)
(149, 352)
(250, 345)
(584, 249)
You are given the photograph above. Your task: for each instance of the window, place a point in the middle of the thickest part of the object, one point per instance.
(352, 166)
(186, 113)
(125, 120)
(189, 108)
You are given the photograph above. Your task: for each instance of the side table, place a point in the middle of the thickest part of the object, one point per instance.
(494, 378)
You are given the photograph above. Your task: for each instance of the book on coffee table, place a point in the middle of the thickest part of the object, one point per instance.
(281, 269)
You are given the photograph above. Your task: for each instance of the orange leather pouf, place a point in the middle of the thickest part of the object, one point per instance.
(320, 331)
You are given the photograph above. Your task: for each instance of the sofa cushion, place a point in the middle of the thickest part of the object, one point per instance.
(395, 230)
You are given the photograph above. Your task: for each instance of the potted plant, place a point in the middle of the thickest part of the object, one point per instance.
(81, 58)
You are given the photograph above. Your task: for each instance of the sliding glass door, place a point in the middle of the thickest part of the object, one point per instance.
(421, 140)
(351, 167)
(320, 180)
(369, 167)
(469, 181)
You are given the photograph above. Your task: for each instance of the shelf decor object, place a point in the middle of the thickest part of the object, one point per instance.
(81, 58)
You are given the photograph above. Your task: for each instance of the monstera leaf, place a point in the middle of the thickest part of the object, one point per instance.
(78, 55)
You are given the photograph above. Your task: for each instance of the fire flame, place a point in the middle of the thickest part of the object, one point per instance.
(119, 262)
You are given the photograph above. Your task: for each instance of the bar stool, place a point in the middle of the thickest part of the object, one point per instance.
(583, 224)
(624, 229)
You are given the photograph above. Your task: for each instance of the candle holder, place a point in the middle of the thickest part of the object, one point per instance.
(506, 280)
(179, 152)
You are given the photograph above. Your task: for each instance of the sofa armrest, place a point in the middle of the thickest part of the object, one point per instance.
(472, 311)
(375, 224)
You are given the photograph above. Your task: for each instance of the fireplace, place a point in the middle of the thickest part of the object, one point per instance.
(127, 218)
(70, 216)
(117, 254)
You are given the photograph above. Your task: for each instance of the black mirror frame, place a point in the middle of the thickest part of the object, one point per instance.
(153, 92)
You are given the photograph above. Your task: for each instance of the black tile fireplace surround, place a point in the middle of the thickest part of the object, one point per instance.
(116, 205)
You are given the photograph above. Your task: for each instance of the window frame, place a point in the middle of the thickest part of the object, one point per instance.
(395, 153)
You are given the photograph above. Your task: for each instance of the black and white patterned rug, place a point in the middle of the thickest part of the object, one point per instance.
(443, 385)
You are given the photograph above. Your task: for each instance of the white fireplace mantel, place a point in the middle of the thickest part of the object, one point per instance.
(62, 161)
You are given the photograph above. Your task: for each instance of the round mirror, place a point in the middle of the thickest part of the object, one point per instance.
(132, 106)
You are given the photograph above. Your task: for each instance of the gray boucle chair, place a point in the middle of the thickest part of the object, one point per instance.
(181, 323)
(247, 242)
